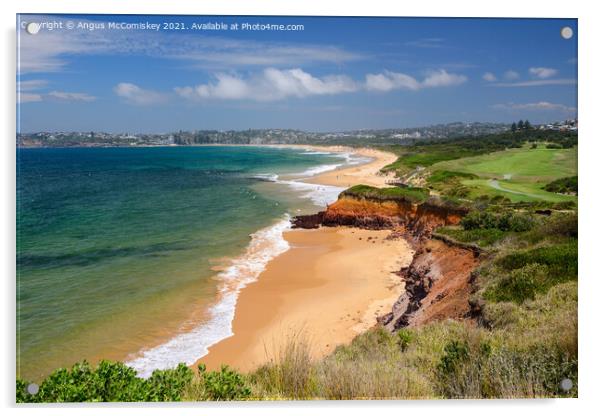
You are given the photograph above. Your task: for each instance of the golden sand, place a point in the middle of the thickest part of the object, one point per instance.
(329, 286)
(366, 174)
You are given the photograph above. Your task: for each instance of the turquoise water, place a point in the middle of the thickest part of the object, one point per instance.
(121, 249)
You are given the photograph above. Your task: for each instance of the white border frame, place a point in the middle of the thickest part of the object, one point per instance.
(589, 153)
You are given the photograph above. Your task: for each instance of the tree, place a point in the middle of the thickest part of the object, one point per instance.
(513, 128)
(527, 125)
(521, 125)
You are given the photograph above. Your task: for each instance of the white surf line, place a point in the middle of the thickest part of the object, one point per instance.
(265, 245)
(188, 347)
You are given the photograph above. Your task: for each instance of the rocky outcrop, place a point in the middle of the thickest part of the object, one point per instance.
(438, 285)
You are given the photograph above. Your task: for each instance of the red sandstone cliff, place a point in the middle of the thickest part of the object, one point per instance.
(419, 219)
(438, 281)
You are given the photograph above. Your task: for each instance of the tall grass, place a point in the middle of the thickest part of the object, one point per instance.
(290, 372)
(525, 352)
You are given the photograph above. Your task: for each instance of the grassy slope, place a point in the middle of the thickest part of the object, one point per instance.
(520, 173)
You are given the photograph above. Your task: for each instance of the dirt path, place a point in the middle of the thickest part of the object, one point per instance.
(496, 185)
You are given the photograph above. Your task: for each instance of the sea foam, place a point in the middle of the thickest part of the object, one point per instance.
(188, 347)
(320, 195)
(265, 245)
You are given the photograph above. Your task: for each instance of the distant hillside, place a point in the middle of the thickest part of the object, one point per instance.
(260, 136)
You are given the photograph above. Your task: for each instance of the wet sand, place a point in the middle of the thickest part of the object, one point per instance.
(329, 286)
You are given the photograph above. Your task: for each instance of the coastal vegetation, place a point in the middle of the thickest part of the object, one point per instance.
(518, 340)
(524, 344)
(409, 194)
(563, 186)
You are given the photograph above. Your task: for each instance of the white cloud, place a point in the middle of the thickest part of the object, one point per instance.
(133, 94)
(537, 83)
(442, 78)
(269, 85)
(29, 92)
(543, 73)
(251, 53)
(511, 75)
(31, 85)
(426, 43)
(52, 51)
(537, 106)
(388, 81)
(275, 84)
(71, 96)
(489, 77)
(26, 97)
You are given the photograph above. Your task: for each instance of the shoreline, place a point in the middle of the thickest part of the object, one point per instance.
(380, 287)
(326, 289)
(349, 175)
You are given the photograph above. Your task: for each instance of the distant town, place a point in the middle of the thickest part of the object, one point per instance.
(279, 136)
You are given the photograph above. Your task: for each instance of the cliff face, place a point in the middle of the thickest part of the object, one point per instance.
(417, 219)
(438, 282)
(438, 285)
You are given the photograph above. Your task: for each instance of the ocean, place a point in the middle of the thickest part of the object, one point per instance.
(138, 254)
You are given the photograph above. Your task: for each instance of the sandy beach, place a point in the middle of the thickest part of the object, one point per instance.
(327, 288)
(344, 177)
(366, 174)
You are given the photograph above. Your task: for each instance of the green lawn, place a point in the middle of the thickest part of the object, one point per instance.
(519, 174)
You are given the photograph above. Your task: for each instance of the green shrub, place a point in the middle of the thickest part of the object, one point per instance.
(505, 221)
(563, 186)
(519, 275)
(518, 222)
(225, 384)
(519, 285)
(563, 225)
(561, 260)
(479, 220)
(560, 225)
(22, 396)
(168, 385)
(553, 146)
(404, 337)
(109, 382)
(454, 354)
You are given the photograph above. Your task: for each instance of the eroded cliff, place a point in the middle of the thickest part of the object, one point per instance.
(438, 282)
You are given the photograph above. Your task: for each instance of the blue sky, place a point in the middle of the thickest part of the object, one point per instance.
(335, 74)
